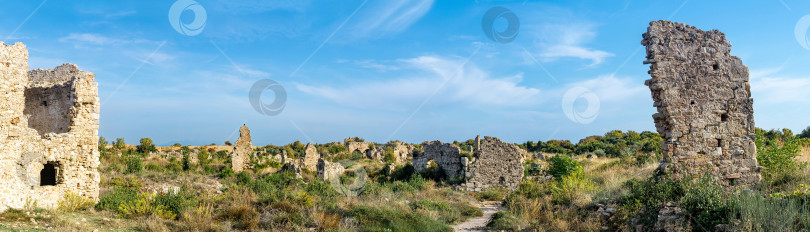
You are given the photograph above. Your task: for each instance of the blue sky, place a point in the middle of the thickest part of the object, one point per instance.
(407, 70)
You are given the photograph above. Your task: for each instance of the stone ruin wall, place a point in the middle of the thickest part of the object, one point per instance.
(445, 155)
(496, 164)
(242, 150)
(361, 147)
(310, 159)
(704, 104)
(48, 131)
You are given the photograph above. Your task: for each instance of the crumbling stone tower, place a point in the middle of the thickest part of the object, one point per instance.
(705, 111)
(48, 131)
(242, 150)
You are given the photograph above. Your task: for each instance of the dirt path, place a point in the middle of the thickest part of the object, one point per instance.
(480, 223)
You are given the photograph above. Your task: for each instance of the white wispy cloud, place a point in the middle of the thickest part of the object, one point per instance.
(453, 83)
(568, 40)
(97, 39)
(388, 17)
(769, 86)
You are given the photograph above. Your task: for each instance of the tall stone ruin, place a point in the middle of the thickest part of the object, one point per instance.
(48, 131)
(704, 103)
(310, 159)
(242, 150)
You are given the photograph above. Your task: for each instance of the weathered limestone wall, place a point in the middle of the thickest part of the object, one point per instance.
(48, 131)
(329, 171)
(496, 164)
(445, 155)
(704, 103)
(361, 147)
(310, 159)
(242, 150)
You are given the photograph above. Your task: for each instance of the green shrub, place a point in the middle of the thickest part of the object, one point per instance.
(563, 165)
(505, 220)
(146, 146)
(570, 188)
(134, 164)
(226, 172)
(648, 196)
(244, 178)
(186, 162)
(777, 152)
(124, 190)
(389, 219)
(758, 213)
(72, 202)
(175, 202)
(706, 204)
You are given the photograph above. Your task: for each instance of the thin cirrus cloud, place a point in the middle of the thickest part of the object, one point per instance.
(446, 81)
(559, 41)
(768, 86)
(380, 18)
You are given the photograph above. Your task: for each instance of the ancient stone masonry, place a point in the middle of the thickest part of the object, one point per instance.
(401, 152)
(242, 150)
(48, 131)
(496, 164)
(310, 159)
(361, 147)
(444, 155)
(704, 104)
(329, 171)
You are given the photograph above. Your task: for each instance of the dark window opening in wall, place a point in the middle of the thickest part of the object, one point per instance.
(716, 66)
(44, 103)
(502, 180)
(48, 175)
(692, 103)
(720, 142)
(724, 117)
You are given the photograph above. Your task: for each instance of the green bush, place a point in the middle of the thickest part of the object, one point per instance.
(146, 146)
(176, 202)
(648, 196)
(563, 165)
(244, 178)
(777, 152)
(134, 164)
(226, 172)
(124, 190)
(186, 162)
(706, 204)
(388, 219)
(758, 213)
(505, 220)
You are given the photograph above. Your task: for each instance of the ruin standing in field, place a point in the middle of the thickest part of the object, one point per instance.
(704, 103)
(48, 131)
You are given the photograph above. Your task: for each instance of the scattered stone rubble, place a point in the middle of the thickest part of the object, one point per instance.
(704, 104)
(49, 122)
(401, 152)
(242, 150)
